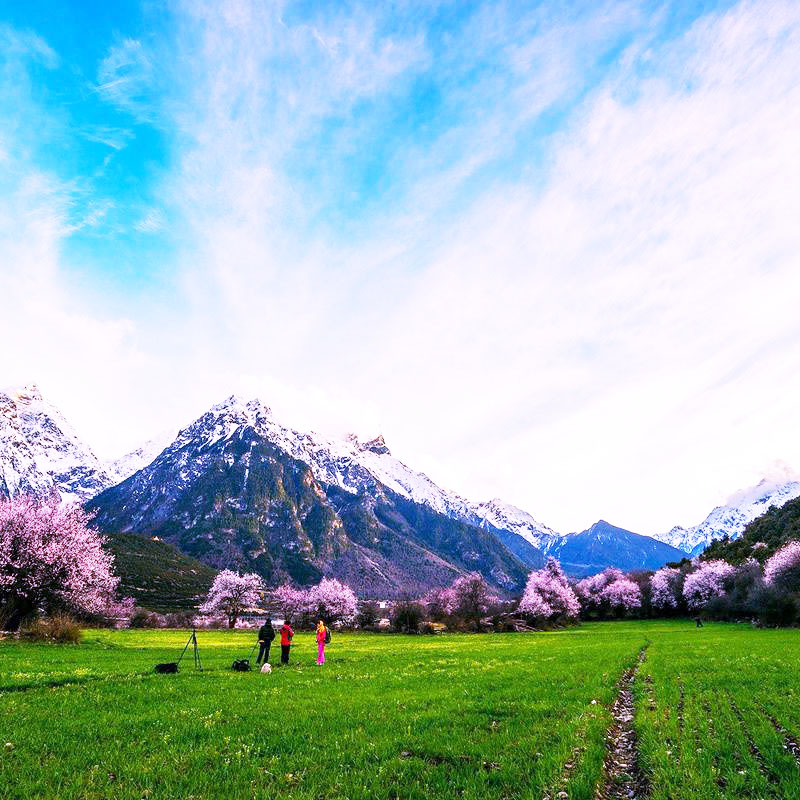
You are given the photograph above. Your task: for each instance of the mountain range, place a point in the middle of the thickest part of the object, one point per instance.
(236, 488)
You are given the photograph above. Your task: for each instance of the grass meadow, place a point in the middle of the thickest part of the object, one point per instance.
(468, 716)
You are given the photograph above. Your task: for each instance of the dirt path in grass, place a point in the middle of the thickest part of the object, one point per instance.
(622, 777)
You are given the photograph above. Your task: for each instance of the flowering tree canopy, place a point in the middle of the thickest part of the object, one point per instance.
(439, 603)
(609, 590)
(623, 595)
(664, 587)
(706, 582)
(332, 601)
(49, 560)
(231, 593)
(292, 602)
(329, 600)
(548, 594)
(472, 597)
(783, 569)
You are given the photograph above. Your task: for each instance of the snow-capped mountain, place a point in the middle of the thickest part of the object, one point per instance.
(238, 489)
(350, 464)
(121, 468)
(732, 518)
(41, 453)
(510, 518)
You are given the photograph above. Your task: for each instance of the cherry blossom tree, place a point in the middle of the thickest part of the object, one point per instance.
(782, 570)
(51, 560)
(231, 593)
(439, 603)
(548, 594)
(706, 582)
(590, 590)
(623, 595)
(332, 601)
(472, 597)
(292, 602)
(665, 588)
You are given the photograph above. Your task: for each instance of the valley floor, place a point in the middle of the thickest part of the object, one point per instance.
(628, 709)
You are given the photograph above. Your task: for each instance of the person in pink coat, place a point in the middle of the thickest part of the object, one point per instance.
(323, 637)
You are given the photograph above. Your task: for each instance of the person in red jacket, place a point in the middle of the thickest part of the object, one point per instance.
(286, 641)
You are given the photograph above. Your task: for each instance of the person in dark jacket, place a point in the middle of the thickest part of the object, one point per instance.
(265, 636)
(286, 641)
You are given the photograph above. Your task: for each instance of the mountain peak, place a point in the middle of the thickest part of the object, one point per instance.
(29, 391)
(377, 445)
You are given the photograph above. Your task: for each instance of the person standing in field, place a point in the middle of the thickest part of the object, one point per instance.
(286, 641)
(323, 637)
(265, 636)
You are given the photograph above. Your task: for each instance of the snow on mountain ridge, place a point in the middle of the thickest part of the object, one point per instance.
(41, 452)
(510, 518)
(123, 467)
(732, 518)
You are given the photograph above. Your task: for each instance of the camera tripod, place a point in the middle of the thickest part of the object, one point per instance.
(193, 641)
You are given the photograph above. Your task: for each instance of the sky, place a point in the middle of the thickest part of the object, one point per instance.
(550, 251)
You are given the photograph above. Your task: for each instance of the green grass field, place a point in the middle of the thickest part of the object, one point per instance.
(500, 716)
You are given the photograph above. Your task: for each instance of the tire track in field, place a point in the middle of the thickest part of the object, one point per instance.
(560, 790)
(790, 744)
(763, 767)
(719, 778)
(622, 776)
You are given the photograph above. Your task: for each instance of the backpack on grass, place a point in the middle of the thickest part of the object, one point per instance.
(166, 669)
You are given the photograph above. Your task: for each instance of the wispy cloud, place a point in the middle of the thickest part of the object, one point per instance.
(553, 255)
(125, 78)
(152, 222)
(115, 138)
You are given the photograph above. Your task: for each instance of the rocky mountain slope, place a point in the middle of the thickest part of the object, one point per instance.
(236, 489)
(731, 519)
(40, 453)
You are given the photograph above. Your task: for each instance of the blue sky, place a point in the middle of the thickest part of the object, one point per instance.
(533, 243)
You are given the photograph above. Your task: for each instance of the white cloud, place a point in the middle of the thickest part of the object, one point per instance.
(611, 335)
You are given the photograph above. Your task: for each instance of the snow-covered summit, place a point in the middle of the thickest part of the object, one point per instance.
(40, 452)
(732, 518)
(123, 467)
(510, 518)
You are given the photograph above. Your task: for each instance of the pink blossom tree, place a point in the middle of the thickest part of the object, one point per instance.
(548, 595)
(623, 596)
(51, 560)
(706, 582)
(292, 602)
(332, 601)
(782, 570)
(665, 588)
(231, 593)
(472, 597)
(590, 590)
(439, 603)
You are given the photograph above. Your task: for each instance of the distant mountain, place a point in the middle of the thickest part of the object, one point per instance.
(762, 537)
(237, 489)
(604, 545)
(503, 516)
(731, 519)
(40, 453)
(121, 468)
